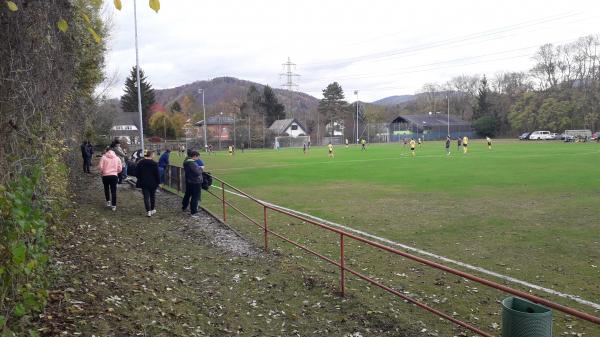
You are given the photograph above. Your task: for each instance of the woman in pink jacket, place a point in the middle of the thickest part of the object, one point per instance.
(110, 166)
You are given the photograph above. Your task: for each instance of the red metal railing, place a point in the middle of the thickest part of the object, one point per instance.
(343, 268)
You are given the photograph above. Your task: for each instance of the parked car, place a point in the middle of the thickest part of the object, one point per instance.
(541, 135)
(567, 138)
(596, 136)
(524, 136)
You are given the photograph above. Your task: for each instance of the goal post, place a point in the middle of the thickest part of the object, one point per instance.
(287, 141)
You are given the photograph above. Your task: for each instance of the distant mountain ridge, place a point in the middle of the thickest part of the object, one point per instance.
(225, 93)
(394, 100)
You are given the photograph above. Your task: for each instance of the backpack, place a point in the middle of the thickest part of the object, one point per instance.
(206, 180)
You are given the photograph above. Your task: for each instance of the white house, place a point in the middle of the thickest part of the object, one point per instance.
(125, 126)
(288, 127)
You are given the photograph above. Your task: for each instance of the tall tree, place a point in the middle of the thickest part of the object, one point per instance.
(332, 106)
(483, 103)
(273, 110)
(175, 107)
(129, 101)
(251, 110)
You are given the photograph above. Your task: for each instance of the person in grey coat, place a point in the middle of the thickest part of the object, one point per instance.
(193, 183)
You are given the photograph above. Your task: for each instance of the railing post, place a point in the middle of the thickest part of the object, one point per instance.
(178, 179)
(181, 179)
(266, 228)
(223, 194)
(342, 267)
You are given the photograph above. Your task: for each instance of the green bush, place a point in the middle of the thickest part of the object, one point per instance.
(485, 126)
(23, 253)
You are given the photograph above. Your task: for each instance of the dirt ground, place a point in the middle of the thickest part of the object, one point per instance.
(124, 274)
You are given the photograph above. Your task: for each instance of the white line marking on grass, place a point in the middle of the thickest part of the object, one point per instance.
(435, 256)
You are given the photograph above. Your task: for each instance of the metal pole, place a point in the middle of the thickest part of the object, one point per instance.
(356, 93)
(137, 71)
(220, 128)
(234, 143)
(204, 126)
(224, 204)
(342, 266)
(448, 98)
(249, 138)
(266, 228)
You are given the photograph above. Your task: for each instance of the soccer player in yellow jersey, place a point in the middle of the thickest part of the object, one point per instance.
(465, 144)
(412, 146)
(330, 148)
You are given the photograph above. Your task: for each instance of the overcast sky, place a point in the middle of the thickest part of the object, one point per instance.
(378, 47)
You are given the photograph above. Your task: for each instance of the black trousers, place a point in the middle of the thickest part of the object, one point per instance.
(149, 198)
(86, 164)
(110, 182)
(192, 191)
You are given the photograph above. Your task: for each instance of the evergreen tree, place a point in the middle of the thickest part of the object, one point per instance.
(175, 107)
(129, 101)
(272, 108)
(332, 106)
(483, 104)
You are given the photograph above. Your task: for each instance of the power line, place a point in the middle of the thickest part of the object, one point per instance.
(410, 70)
(451, 41)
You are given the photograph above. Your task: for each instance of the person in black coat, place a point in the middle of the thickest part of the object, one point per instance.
(148, 180)
(86, 155)
(193, 183)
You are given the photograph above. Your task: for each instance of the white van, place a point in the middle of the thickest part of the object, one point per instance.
(541, 135)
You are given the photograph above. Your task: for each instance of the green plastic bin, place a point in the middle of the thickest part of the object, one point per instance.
(522, 318)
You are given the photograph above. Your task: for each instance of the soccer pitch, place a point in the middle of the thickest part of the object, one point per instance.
(527, 210)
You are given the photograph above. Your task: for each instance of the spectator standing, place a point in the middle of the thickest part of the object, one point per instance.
(163, 162)
(148, 179)
(86, 156)
(110, 166)
(90, 149)
(193, 183)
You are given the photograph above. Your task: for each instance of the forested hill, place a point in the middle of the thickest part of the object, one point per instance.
(225, 93)
(394, 100)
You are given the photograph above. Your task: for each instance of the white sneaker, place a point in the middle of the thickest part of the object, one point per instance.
(108, 204)
(114, 208)
(149, 213)
(195, 216)
(153, 211)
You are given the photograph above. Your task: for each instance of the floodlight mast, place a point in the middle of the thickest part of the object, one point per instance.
(204, 124)
(137, 71)
(448, 98)
(356, 93)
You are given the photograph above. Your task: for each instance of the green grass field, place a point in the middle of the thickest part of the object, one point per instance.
(523, 209)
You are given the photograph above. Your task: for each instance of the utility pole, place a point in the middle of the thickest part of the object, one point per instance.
(448, 98)
(356, 93)
(204, 124)
(137, 73)
(289, 84)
